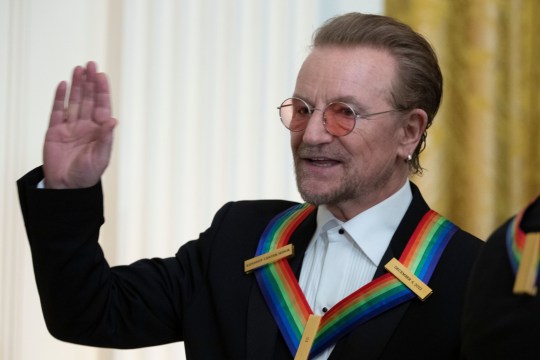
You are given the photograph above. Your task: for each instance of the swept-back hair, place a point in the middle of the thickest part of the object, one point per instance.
(418, 82)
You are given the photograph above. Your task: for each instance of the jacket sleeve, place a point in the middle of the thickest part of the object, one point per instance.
(83, 299)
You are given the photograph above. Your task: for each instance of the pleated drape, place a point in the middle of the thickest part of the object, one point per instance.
(483, 152)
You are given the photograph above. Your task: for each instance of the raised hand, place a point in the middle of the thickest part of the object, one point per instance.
(79, 139)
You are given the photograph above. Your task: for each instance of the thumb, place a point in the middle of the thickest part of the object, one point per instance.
(105, 141)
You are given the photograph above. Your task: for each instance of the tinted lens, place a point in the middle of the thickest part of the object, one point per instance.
(294, 114)
(339, 118)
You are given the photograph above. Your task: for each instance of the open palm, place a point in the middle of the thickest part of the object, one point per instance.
(79, 139)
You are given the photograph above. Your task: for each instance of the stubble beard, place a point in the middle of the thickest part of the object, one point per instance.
(346, 188)
(351, 186)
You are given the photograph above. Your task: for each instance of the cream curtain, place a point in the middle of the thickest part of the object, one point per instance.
(483, 153)
(195, 88)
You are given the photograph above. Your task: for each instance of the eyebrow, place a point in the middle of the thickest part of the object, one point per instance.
(348, 99)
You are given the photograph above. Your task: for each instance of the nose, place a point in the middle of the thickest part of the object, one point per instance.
(315, 132)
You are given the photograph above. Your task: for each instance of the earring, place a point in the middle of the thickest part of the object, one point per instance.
(409, 158)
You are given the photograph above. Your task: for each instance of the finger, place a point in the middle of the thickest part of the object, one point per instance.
(91, 70)
(104, 144)
(75, 94)
(103, 108)
(87, 104)
(58, 112)
(88, 91)
(106, 131)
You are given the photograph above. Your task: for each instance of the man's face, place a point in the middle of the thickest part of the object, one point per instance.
(362, 168)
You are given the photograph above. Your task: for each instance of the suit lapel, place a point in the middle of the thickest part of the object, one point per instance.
(263, 340)
(370, 338)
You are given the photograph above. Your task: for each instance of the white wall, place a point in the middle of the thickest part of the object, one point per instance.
(195, 86)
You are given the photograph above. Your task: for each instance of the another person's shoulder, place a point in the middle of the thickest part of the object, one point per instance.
(496, 245)
(497, 322)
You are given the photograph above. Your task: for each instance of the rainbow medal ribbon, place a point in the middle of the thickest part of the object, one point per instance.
(290, 308)
(524, 254)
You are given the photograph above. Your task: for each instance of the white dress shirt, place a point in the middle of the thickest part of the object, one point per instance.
(343, 256)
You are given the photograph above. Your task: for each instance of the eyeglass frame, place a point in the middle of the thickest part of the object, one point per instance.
(312, 109)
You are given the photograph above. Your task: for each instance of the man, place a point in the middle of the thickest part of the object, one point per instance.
(501, 320)
(363, 100)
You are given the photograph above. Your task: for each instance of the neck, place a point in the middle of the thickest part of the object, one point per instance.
(348, 209)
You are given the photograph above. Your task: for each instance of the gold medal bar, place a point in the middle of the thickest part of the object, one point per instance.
(308, 336)
(269, 257)
(410, 280)
(525, 282)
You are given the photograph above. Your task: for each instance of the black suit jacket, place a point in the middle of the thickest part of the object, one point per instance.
(499, 324)
(202, 295)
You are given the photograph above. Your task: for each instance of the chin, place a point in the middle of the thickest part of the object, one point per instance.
(316, 197)
(318, 192)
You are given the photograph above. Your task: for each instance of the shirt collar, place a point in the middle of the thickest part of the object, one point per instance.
(372, 229)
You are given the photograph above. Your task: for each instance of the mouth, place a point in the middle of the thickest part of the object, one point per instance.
(321, 161)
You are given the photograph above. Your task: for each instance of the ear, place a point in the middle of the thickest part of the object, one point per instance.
(413, 126)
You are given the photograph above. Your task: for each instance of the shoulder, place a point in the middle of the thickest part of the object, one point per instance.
(466, 240)
(251, 211)
(497, 322)
(233, 234)
(243, 219)
(461, 253)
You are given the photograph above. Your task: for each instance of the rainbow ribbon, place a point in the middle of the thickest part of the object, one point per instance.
(289, 306)
(515, 242)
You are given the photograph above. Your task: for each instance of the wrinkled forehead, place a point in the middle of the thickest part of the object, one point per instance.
(331, 73)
